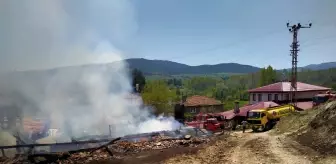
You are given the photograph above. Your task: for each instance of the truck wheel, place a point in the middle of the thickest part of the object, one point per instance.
(254, 129)
(268, 126)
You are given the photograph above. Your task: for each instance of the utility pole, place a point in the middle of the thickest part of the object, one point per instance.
(294, 53)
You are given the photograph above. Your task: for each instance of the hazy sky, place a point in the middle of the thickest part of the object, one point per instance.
(39, 34)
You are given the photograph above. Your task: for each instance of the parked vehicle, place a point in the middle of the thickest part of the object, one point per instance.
(322, 98)
(210, 124)
(265, 119)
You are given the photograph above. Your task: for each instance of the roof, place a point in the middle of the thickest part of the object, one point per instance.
(33, 125)
(260, 105)
(201, 101)
(286, 86)
(243, 110)
(304, 105)
(227, 114)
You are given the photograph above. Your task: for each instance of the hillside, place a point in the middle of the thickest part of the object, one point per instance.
(165, 67)
(321, 66)
(314, 129)
(173, 68)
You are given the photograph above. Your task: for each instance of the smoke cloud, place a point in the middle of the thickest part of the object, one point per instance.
(40, 35)
(45, 34)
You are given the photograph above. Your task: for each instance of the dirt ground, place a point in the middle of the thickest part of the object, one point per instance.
(237, 148)
(254, 148)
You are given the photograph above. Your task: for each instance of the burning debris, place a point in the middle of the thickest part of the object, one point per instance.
(118, 148)
(122, 149)
(157, 144)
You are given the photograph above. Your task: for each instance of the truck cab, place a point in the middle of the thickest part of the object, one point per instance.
(212, 124)
(265, 119)
(257, 118)
(322, 98)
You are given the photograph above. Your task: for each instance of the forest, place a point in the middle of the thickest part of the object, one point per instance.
(164, 93)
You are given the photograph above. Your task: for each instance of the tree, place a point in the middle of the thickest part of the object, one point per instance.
(158, 94)
(267, 76)
(138, 78)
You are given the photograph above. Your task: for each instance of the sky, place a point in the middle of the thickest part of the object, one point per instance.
(37, 34)
(199, 32)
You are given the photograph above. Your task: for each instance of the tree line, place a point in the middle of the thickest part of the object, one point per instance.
(163, 93)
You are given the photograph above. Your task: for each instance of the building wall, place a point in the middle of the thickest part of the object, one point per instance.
(204, 109)
(304, 95)
(282, 96)
(265, 97)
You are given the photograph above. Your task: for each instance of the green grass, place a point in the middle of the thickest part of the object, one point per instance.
(228, 105)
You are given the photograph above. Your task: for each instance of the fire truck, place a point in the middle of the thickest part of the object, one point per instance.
(211, 122)
(205, 121)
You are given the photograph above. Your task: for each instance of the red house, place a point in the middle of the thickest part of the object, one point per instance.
(280, 92)
(202, 104)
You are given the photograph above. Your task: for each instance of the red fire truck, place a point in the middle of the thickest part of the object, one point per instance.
(205, 121)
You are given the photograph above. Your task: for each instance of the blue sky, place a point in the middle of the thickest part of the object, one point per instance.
(40, 34)
(198, 32)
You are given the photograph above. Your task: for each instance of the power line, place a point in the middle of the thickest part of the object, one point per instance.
(221, 46)
(294, 29)
(225, 46)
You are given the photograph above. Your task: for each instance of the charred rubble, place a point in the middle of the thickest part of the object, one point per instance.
(117, 148)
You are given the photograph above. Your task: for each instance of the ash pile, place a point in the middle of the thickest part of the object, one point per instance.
(120, 148)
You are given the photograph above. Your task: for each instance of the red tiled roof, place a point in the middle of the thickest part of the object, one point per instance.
(32, 125)
(227, 114)
(243, 110)
(286, 86)
(304, 105)
(259, 105)
(201, 101)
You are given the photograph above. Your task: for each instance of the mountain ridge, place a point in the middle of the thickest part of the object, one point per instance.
(170, 67)
(166, 67)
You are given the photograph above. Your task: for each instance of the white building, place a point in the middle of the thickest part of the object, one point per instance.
(280, 92)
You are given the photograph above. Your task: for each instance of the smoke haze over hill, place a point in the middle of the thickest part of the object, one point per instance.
(47, 34)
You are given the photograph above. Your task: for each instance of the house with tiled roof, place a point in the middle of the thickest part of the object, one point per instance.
(280, 92)
(201, 104)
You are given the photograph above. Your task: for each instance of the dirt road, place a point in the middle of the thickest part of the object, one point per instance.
(241, 148)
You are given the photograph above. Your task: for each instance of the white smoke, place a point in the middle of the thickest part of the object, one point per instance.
(39, 35)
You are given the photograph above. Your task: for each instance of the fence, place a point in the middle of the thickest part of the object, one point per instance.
(54, 147)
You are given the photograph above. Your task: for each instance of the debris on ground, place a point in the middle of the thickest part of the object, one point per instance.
(160, 143)
(117, 150)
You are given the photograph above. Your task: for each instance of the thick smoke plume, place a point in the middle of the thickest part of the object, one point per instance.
(40, 35)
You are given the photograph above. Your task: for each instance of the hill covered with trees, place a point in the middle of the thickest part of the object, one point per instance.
(173, 68)
(228, 89)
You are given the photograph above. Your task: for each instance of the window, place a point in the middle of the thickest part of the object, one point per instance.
(193, 110)
(259, 97)
(254, 97)
(286, 96)
(269, 97)
(276, 98)
(253, 114)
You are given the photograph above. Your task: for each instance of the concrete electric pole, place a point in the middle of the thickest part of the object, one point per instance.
(294, 29)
